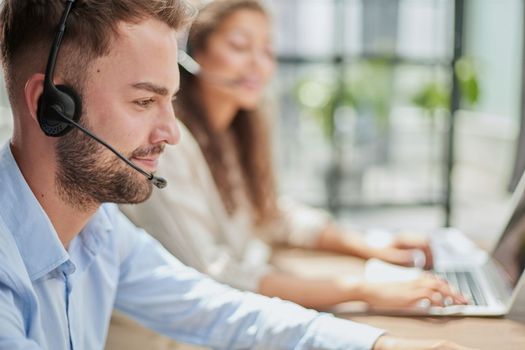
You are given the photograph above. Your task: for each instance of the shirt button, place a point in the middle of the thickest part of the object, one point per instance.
(68, 267)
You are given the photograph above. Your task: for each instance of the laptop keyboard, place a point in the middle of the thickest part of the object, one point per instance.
(465, 283)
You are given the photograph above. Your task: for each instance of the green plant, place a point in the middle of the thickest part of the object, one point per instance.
(317, 94)
(434, 94)
(466, 73)
(365, 87)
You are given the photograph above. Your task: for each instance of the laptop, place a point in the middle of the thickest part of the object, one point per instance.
(491, 282)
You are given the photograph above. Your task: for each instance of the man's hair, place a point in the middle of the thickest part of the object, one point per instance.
(28, 28)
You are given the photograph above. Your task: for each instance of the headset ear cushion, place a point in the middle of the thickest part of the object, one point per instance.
(68, 101)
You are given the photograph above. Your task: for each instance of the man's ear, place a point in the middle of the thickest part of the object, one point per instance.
(32, 91)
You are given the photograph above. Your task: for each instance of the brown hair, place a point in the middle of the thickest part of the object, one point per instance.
(249, 128)
(28, 28)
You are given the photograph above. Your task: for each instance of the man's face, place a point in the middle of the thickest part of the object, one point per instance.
(127, 101)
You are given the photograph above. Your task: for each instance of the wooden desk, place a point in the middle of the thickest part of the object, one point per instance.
(481, 333)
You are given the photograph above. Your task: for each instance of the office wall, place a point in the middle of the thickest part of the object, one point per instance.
(493, 35)
(487, 132)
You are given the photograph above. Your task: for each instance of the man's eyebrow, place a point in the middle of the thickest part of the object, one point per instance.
(159, 90)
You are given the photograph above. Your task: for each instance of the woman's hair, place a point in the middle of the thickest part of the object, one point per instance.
(249, 128)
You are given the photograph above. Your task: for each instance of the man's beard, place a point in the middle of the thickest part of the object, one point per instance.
(89, 175)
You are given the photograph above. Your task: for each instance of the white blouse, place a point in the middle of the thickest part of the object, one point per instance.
(190, 220)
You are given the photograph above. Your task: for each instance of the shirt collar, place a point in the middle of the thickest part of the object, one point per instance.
(95, 235)
(33, 232)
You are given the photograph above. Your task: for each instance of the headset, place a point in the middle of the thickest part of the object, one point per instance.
(194, 68)
(60, 106)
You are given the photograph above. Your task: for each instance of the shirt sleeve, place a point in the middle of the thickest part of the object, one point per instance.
(12, 325)
(164, 295)
(15, 300)
(190, 221)
(297, 225)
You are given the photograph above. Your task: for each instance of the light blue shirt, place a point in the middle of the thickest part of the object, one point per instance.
(53, 298)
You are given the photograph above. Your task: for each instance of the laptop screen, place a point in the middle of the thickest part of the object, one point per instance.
(510, 250)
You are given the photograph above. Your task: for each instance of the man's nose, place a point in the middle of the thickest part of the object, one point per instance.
(168, 130)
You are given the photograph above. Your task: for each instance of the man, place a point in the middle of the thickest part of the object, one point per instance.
(66, 259)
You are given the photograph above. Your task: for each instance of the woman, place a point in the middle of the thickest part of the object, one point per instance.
(222, 204)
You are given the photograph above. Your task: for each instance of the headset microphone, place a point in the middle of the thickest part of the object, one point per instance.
(194, 68)
(59, 107)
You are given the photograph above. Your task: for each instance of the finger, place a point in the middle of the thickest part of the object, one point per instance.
(444, 288)
(419, 258)
(431, 288)
(437, 299)
(428, 255)
(424, 303)
(413, 243)
(410, 242)
(427, 297)
(430, 298)
(400, 257)
(422, 245)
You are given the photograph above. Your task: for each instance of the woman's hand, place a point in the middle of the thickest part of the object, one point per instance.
(404, 251)
(387, 342)
(425, 291)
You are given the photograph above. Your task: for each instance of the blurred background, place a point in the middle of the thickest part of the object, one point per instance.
(397, 114)
(401, 114)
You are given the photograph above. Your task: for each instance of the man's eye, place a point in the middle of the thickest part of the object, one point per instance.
(144, 103)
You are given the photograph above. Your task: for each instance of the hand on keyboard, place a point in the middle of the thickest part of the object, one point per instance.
(428, 289)
(408, 250)
(464, 282)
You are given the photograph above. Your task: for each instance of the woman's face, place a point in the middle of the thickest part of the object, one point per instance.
(239, 51)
